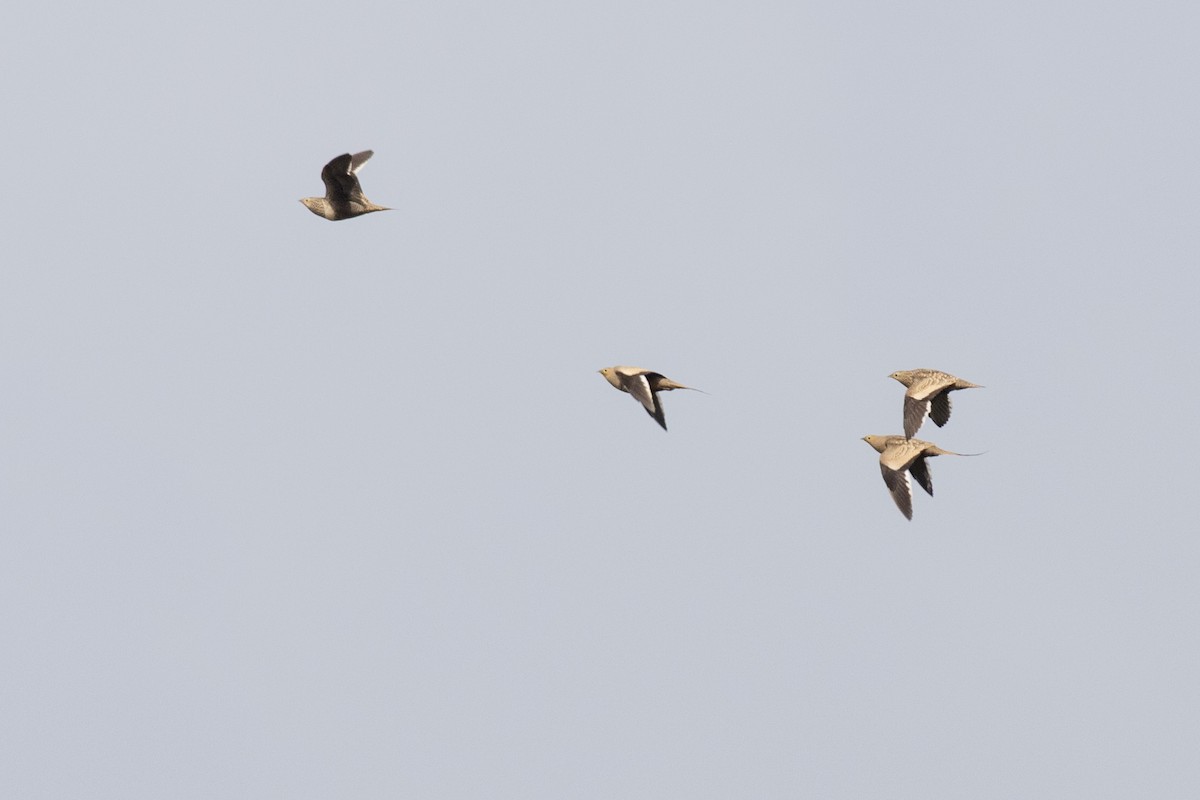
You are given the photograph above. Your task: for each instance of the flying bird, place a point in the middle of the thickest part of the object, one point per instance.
(928, 394)
(900, 456)
(344, 197)
(644, 385)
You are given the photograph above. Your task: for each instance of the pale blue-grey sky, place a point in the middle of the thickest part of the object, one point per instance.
(298, 509)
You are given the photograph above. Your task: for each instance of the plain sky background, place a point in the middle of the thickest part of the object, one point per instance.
(298, 509)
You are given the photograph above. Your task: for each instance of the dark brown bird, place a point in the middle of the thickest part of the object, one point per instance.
(644, 385)
(343, 195)
(900, 456)
(928, 394)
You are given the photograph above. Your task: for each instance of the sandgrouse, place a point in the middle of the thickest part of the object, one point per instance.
(898, 457)
(928, 394)
(344, 197)
(644, 385)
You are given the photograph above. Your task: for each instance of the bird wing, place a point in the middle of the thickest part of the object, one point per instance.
(900, 453)
(639, 387)
(923, 394)
(358, 159)
(920, 470)
(929, 385)
(341, 185)
(657, 413)
(898, 484)
(939, 408)
(914, 414)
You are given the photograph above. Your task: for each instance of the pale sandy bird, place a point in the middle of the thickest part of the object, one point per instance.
(644, 385)
(344, 197)
(900, 456)
(928, 394)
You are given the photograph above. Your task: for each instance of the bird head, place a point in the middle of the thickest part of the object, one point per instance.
(877, 442)
(316, 205)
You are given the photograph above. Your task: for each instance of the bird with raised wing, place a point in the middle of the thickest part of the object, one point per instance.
(900, 456)
(928, 394)
(344, 197)
(644, 385)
